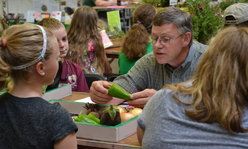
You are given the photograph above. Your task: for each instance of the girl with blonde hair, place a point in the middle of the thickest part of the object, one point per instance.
(85, 42)
(29, 55)
(208, 111)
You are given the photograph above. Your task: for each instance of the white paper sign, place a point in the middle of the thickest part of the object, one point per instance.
(105, 39)
(173, 2)
(30, 16)
(56, 14)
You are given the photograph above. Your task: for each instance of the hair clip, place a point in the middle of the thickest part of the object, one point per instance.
(41, 55)
(139, 22)
(4, 43)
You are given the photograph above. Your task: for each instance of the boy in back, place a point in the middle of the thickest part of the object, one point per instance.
(71, 73)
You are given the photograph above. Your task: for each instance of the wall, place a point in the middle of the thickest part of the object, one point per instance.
(22, 6)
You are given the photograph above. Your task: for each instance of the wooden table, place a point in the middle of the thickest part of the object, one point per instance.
(113, 52)
(130, 142)
(115, 7)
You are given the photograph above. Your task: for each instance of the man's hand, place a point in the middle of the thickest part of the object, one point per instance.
(99, 92)
(140, 99)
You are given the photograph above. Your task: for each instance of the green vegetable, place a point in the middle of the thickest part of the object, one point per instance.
(117, 91)
(87, 119)
(93, 117)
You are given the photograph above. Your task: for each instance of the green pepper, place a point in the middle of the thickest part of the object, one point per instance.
(88, 120)
(84, 118)
(94, 118)
(117, 91)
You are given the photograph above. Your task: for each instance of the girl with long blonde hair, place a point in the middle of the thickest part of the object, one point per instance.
(29, 56)
(85, 42)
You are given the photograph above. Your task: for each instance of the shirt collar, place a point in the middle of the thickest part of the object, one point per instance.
(190, 56)
(188, 59)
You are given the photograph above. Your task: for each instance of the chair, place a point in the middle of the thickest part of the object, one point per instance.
(111, 77)
(92, 77)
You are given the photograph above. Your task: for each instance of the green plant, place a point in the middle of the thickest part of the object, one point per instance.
(152, 2)
(207, 19)
(117, 33)
(224, 5)
(5, 21)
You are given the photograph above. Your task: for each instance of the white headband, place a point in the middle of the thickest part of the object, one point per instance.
(42, 53)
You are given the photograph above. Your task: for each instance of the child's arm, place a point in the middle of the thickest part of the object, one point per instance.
(68, 141)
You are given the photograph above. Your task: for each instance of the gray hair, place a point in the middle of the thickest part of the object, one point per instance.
(181, 19)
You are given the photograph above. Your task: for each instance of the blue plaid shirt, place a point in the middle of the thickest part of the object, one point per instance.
(147, 73)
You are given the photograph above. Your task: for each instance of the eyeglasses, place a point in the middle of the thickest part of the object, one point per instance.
(164, 41)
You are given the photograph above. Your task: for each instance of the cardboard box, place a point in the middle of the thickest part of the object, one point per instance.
(99, 132)
(58, 93)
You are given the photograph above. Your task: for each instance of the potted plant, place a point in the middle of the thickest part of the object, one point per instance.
(225, 4)
(155, 3)
(116, 36)
(207, 19)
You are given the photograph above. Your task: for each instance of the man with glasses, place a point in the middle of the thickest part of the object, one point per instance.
(174, 59)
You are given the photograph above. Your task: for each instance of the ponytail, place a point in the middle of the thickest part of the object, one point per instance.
(4, 68)
(135, 43)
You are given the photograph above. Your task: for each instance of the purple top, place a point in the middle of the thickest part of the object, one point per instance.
(73, 74)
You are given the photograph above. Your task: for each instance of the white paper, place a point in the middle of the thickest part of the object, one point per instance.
(105, 39)
(57, 15)
(173, 2)
(30, 16)
(85, 100)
